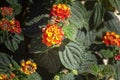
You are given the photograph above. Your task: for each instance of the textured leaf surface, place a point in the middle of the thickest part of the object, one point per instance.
(12, 44)
(68, 76)
(70, 31)
(117, 70)
(116, 4)
(97, 14)
(71, 55)
(89, 60)
(112, 22)
(87, 38)
(78, 15)
(5, 62)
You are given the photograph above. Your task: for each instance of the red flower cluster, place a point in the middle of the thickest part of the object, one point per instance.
(111, 38)
(12, 26)
(52, 34)
(60, 11)
(6, 11)
(117, 57)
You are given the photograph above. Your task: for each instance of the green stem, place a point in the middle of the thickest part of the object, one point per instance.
(86, 77)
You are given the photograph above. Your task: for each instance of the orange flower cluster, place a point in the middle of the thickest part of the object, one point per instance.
(28, 67)
(12, 26)
(52, 35)
(6, 11)
(60, 11)
(7, 77)
(111, 38)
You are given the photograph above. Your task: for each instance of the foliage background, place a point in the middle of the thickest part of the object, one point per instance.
(89, 20)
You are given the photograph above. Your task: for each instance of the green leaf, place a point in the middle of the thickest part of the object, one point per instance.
(117, 70)
(15, 5)
(87, 38)
(36, 46)
(49, 60)
(94, 69)
(108, 71)
(97, 14)
(107, 53)
(68, 76)
(89, 60)
(34, 76)
(115, 3)
(3, 36)
(70, 31)
(79, 15)
(72, 55)
(7, 63)
(12, 41)
(112, 22)
(18, 37)
(9, 45)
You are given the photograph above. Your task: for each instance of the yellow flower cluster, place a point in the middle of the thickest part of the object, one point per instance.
(7, 77)
(28, 67)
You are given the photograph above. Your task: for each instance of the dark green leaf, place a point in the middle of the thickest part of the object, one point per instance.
(49, 60)
(15, 5)
(97, 15)
(112, 22)
(36, 46)
(116, 4)
(34, 76)
(7, 63)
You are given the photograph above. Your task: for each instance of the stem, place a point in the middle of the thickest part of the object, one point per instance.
(86, 77)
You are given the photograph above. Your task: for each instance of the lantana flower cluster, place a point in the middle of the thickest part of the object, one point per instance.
(53, 33)
(6, 11)
(28, 67)
(11, 25)
(7, 77)
(111, 38)
(60, 12)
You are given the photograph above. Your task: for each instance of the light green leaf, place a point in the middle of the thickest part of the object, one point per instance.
(70, 31)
